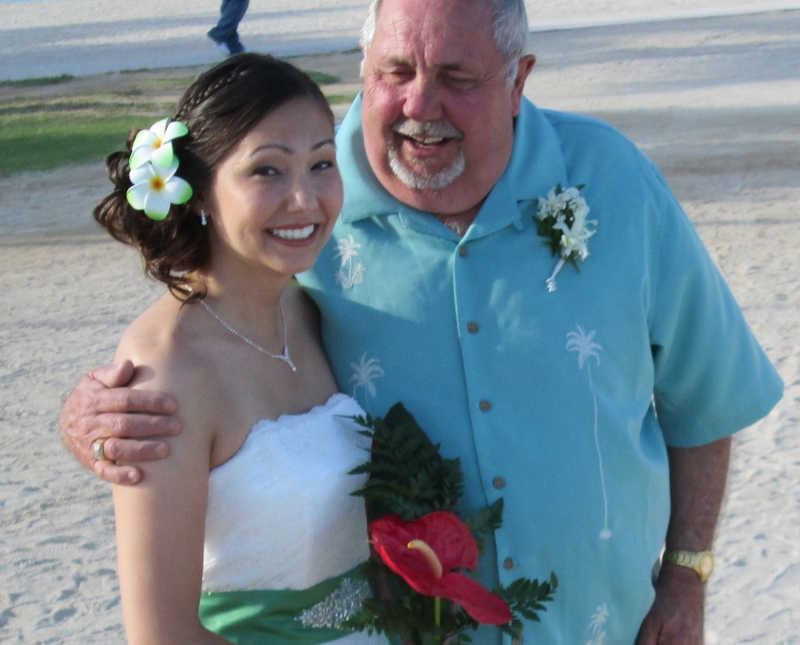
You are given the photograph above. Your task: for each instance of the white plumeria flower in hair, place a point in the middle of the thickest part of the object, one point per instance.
(155, 143)
(156, 188)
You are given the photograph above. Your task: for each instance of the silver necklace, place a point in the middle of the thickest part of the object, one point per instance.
(283, 356)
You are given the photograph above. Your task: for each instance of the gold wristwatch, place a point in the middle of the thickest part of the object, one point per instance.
(702, 562)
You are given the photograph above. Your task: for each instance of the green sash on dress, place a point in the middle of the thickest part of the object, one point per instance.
(269, 615)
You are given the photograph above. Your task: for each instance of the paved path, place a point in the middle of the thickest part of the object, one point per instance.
(51, 37)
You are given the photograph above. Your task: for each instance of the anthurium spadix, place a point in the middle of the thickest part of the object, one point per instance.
(155, 144)
(156, 188)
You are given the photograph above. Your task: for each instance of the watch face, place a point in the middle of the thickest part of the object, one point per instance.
(706, 565)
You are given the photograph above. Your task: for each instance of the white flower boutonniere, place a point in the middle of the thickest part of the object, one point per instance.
(562, 220)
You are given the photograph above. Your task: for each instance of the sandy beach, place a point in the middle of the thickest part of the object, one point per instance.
(713, 100)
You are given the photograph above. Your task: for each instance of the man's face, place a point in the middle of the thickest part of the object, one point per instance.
(437, 109)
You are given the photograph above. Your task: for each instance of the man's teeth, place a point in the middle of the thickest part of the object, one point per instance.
(428, 141)
(293, 233)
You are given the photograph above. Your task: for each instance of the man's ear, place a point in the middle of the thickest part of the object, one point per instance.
(524, 67)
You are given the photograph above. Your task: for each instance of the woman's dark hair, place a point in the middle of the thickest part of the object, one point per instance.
(219, 108)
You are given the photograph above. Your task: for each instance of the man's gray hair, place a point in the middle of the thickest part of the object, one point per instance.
(509, 28)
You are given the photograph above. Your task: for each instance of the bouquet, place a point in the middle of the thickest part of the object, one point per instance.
(420, 544)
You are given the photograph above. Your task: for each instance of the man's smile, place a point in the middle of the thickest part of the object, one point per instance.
(427, 134)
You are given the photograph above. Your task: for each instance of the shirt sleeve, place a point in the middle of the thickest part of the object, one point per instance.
(712, 378)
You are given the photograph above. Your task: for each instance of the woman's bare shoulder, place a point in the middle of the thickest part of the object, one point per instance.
(153, 338)
(166, 346)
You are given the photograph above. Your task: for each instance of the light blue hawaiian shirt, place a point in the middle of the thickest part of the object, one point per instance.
(562, 403)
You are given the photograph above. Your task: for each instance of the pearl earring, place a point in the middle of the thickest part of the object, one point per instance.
(203, 218)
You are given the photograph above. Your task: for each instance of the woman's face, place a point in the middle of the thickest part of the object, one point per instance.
(276, 195)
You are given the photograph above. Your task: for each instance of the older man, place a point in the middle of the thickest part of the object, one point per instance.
(601, 408)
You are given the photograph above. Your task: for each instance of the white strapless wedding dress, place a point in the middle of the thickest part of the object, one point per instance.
(280, 515)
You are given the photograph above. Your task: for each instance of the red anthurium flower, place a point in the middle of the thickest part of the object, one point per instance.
(425, 553)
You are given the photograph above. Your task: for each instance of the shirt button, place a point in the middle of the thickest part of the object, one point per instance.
(463, 251)
(485, 405)
(499, 482)
(472, 327)
(508, 563)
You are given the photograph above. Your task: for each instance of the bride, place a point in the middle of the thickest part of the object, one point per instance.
(247, 534)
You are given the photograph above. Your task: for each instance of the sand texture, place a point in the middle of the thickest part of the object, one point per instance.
(714, 101)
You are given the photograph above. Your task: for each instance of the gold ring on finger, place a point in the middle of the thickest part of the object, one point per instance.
(97, 449)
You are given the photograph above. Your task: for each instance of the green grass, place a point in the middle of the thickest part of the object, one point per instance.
(34, 82)
(48, 142)
(45, 132)
(50, 122)
(338, 99)
(321, 78)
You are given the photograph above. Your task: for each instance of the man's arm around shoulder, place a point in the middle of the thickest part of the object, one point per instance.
(102, 407)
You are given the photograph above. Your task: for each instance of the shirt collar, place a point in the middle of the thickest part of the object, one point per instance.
(363, 194)
(536, 165)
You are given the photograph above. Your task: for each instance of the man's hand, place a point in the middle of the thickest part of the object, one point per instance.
(676, 617)
(697, 483)
(101, 407)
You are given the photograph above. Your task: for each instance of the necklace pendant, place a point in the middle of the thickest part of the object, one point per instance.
(283, 356)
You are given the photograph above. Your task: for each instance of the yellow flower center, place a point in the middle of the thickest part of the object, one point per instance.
(157, 144)
(157, 184)
(429, 554)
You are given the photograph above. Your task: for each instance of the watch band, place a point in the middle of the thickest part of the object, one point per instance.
(701, 562)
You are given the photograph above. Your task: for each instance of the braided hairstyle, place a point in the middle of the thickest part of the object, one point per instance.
(219, 108)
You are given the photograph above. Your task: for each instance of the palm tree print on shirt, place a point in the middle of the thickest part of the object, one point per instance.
(597, 625)
(350, 273)
(582, 343)
(364, 373)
